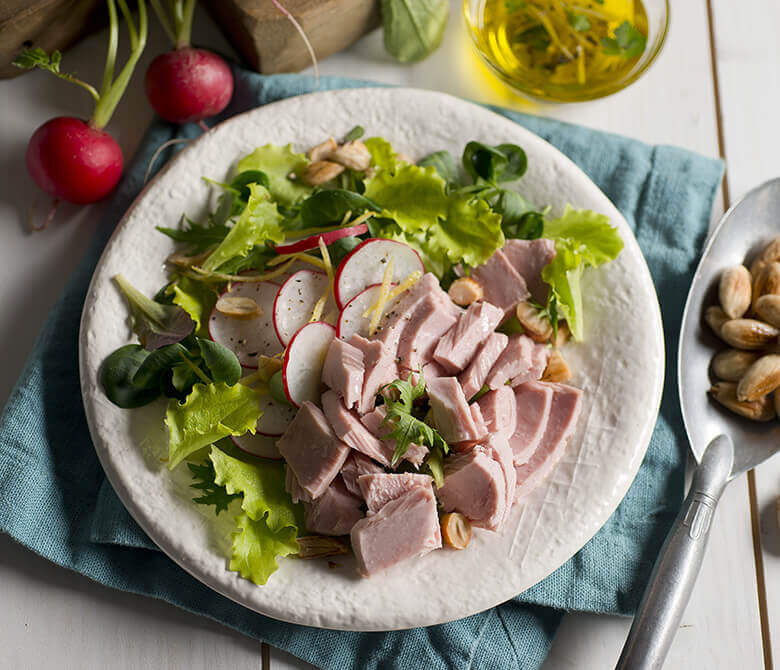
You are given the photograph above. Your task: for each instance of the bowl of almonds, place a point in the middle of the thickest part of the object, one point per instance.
(746, 375)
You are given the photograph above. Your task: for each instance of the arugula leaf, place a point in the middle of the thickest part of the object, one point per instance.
(197, 299)
(262, 485)
(627, 43)
(278, 163)
(222, 364)
(444, 164)
(209, 413)
(256, 547)
(579, 22)
(258, 222)
(413, 28)
(156, 325)
(197, 236)
(117, 374)
(212, 493)
(383, 156)
(327, 208)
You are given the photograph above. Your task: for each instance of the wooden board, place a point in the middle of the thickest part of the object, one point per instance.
(269, 41)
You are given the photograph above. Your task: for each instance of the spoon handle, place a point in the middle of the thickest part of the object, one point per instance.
(677, 567)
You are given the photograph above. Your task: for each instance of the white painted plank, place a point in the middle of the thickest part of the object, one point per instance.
(748, 60)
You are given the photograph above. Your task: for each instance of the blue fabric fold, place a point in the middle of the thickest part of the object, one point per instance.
(55, 500)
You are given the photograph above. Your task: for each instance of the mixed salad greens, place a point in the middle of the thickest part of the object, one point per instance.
(455, 219)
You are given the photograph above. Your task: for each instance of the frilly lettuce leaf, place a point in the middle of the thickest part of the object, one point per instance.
(209, 413)
(197, 299)
(582, 239)
(256, 547)
(383, 156)
(262, 486)
(278, 163)
(259, 221)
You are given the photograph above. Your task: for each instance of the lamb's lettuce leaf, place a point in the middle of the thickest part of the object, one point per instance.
(278, 163)
(256, 548)
(197, 299)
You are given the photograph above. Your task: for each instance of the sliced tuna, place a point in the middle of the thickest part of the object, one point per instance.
(292, 487)
(529, 257)
(475, 486)
(380, 489)
(404, 528)
(458, 346)
(499, 410)
(343, 371)
(564, 412)
(474, 376)
(498, 449)
(540, 355)
(533, 401)
(380, 369)
(432, 318)
(502, 285)
(516, 359)
(415, 454)
(451, 413)
(357, 464)
(347, 426)
(334, 512)
(313, 452)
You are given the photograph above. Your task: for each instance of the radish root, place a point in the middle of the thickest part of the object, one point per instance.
(157, 153)
(306, 41)
(49, 216)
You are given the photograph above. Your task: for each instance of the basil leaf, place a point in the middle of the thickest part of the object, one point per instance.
(413, 28)
(327, 208)
(116, 377)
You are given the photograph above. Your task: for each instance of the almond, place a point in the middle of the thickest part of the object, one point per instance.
(731, 364)
(464, 291)
(748, 334)
(734, 291)
(320, 546)
(768, 308)
(536, 326)
(354, 155)
(563, 335)
(323, 150)
(455, 530)
(238, 307)
(557, 369)
(771, 252)
(320, 172)
(758, 410)
(772, 281)
(760, 379)
(715, 318)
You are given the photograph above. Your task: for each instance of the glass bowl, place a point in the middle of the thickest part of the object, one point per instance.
(657, 26)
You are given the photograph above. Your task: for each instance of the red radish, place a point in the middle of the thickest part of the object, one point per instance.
(313, 241)
(303, 360)
(77, 160)
(296, 300)
(365, 265)
(248, 338)
(186, 84)
(276, 417)
(351, 319)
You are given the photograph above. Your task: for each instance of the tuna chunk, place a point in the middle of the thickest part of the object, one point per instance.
(458, 346)
(564, 412)
(516, 359)
(313, 452)
(404, 528)
(334, 512)
(451, 413)
(499, 410)
(501, 284)
(540, 355)
(380, 489)
(351, 431)
(475, 486)
(499, 450)
(292, 487)
(431, 319)
(380, 369)
(415, 454)
(529, 257)
(343, 371)
(357, 464)
(533, 401)
(474, 376)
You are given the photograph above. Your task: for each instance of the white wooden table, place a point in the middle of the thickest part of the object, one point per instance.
(715, 89)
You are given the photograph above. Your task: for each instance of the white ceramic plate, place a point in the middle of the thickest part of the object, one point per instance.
(619, 366)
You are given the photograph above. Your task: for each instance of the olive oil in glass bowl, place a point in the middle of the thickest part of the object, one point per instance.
(567, 50)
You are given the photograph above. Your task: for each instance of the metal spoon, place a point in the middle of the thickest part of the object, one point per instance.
(724, 444)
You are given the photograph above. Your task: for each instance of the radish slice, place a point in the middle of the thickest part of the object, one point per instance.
(313, 241)
(365, 265)
(248, 338)
(296, 300)
(303, 360)
(258, 445)
(351, 319)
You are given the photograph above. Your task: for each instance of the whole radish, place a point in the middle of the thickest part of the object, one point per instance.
(186, 84)
(76, 160)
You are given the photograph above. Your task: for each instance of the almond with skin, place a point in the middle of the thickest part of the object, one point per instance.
(715, 318)
(730, 365)
(321, 172)
(760, 379)
(771, 252)
(354, 155)
(749, 334)
(768, 308)
(734, 291)
(725, 393)
(323, 150)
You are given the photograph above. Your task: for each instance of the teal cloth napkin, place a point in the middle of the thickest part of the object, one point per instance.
(54, 497)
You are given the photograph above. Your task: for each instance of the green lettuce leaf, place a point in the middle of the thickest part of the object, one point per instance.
(256, 547)
(582, 239)
(258, 222)
(209, 413)
(278, 163)
(383, 156)
(197, 299)
(262, 486)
